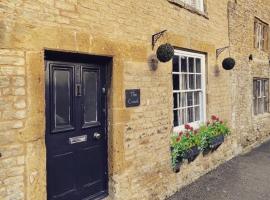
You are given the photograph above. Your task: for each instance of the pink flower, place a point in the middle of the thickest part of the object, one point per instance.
(180, 133)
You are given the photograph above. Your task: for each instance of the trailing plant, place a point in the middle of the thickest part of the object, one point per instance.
(182, 142)
(211, 130)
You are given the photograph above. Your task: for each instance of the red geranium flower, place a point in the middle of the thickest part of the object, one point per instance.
(213, 117)
(180, 133)
(187, 126)
(191, 128)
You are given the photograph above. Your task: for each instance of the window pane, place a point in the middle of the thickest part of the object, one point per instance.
(258, 88)
(198, 65)
(261, 107)
(190, 98)
(266, 104)
(263, 88)
(198, 82)
(255, 89)
(62, 97)
(197, 113)
(266, 88)
(184, 82)
(183, 64)
(265, 36)
(176, 64)
(90, 96)
(183, 100)
(175, 118)
(197, 98)
(190, 115)
(255, 106)
(175, 82)
(191, 81)
(191, 65)
(175, 100)
(182, 116)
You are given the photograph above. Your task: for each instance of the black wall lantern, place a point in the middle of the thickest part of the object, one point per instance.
(227, 63)
(165, 52)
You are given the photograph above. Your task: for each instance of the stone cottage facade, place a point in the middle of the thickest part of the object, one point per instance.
(108, 44)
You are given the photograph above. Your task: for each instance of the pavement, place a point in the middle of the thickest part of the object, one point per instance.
(246, 177)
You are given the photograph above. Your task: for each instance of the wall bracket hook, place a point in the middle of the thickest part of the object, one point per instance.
(220, 50)
(156, 36)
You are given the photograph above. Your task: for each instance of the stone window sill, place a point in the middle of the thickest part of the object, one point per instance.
(189, 8)
(259, 117)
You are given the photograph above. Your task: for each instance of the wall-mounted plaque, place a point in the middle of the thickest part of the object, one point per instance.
(133, 98)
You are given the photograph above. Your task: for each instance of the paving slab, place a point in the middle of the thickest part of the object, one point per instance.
(246, 177)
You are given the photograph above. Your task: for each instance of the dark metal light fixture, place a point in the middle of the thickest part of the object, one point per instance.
(165, 52)
(250, 57)
(227, 63)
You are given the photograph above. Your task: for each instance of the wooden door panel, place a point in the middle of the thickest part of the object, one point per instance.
(91, 156)
(62, 170)
(75, 115)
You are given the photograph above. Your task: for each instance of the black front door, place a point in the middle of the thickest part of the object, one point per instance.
(76, 138)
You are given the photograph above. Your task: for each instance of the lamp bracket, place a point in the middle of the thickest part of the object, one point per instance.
(156, 36)
(220, 50)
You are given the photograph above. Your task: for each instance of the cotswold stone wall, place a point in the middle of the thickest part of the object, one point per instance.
(139, 138)
(251, 129)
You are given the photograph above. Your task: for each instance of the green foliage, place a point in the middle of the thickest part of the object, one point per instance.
(181, 143)
(210, 131)
(184, 141)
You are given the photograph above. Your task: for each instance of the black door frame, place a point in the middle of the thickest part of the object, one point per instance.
(52, 55)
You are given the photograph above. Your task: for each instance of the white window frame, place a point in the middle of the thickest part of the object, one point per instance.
(196, 124)
(261, 40)
(199, 4)
(259, 96)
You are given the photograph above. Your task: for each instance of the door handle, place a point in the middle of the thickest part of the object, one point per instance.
(97, 136)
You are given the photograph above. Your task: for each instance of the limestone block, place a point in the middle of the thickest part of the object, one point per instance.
(10, 60)
(8, 70)
(64, 5)
(20, 103)
(18, 81)
(19, 91)
(4, 81)
(35, 170)
(11, 151)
